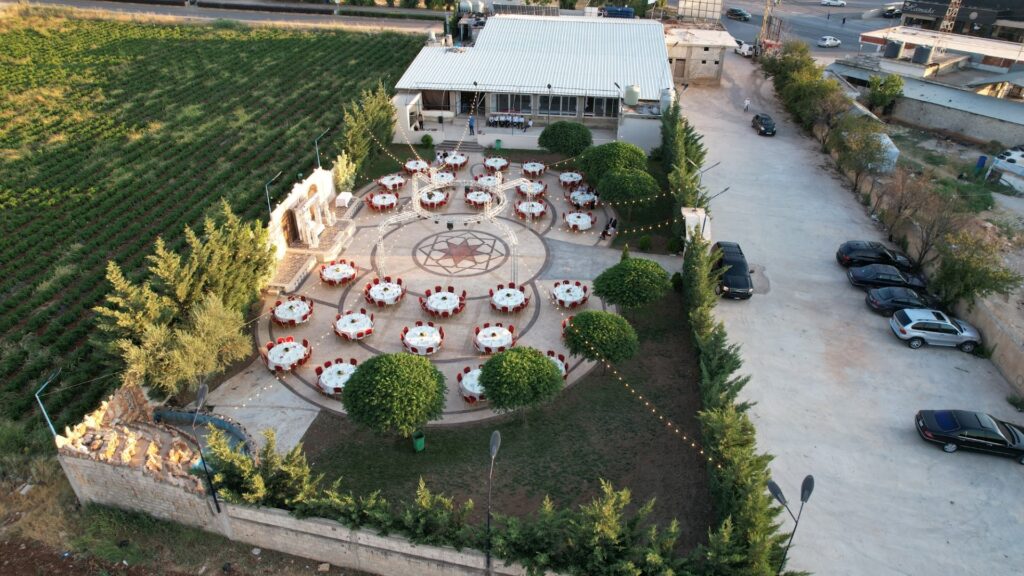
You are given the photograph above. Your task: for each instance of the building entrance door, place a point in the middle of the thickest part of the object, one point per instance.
(466, 103)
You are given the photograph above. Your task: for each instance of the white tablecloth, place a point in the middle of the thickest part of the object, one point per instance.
(580, 220)
(335, 377)
(285, 355)
(532, 189)
(534, 209)
(470, 384)
(393, 181)
(561, 365)
(354, 323)
(416, 165)
(343, 199)
(493, 337)
(478, 197)
(443, 178)
(579, 197)
(384, 199)
(533, 168)
(338, 272)
(423, 337)
(292, 310)
(489, 181)
(432, 198)
(569, 293)
(455, 160)
(508, 297)
(496, 163)
(570, 177)
(387, 292)
(443, 302)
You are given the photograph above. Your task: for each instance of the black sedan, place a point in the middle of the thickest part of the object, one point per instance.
(955, 429)
(764, 124)
(862, 253)
(737, 14)
(887, 301)
(883, 275)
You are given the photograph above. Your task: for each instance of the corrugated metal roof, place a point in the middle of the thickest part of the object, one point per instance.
(575, 55)
(954, 42)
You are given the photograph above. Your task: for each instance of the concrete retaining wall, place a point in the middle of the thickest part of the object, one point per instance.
(314, 538)
(972, 127)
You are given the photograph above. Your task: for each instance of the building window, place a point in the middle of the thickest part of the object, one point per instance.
(706, 48)
(521, 103)
(703, 61)
(601, 107)
(557, 105)
(716, 62)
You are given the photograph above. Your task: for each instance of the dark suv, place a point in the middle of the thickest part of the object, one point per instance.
(764, 124)
(862, 253)
(735, 281)
(737, 14)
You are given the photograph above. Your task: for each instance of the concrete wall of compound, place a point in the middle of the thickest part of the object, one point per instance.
(974, 127)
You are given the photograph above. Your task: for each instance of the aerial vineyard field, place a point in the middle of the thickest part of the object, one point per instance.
(112, 133)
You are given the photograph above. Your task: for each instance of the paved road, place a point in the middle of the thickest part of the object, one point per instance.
(836, 392)
(192, 13)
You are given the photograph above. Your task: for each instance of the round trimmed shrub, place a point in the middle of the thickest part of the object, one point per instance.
(600, 160)
(520, 377)
(396, 393)
(597, 335)
(632, 283)
(563, 137)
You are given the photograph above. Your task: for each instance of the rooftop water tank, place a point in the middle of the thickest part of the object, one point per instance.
(893, 49)
(922, 55)
(465, 6)
(478, 6)
(667, 96)
(632, 95)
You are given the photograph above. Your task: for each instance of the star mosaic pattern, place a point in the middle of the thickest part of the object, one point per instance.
(460, 252)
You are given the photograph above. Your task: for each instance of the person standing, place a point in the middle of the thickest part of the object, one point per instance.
(529, 124)
(829, 15)
(844, 20)
(472, 125)
(746, 104)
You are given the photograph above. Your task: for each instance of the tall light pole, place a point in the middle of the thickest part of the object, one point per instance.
(805, 494)
(549, 104)
(316, 144)
(618, 108)
(495, 444)
(700, 173)
(200, 400)
(266, 188)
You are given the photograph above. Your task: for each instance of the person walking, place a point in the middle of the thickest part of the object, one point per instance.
(472, 125)
(844, 20)
(828, 16)
(746, 104)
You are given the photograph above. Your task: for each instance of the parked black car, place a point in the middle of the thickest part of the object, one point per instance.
(737, 14)
(735, 281)
(882, 275)
(887, 301)
(892, 13)
(955, 429)
(764, 124)
(862, 253)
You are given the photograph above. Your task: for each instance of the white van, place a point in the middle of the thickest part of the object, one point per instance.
(744, 49)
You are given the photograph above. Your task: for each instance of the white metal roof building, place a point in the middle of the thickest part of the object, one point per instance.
(540, 69)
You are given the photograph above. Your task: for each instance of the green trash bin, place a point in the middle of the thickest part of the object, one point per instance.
(419, 441)
(497, 144)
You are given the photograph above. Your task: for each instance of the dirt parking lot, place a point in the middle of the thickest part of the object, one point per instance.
(836, 392)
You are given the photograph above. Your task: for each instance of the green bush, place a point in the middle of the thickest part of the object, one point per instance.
(677, 282)
(632, 283)
(563, 137)
(395, 393)
(410, 3)
(644, 244)
(427, 141)
(601, 336)
(598, 161)
(518, 378)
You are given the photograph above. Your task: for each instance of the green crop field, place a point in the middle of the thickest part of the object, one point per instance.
(112, 133)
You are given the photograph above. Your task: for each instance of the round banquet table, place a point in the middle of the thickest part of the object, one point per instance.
(456, 161)
(353, 323)
(531, 208)
(531, 189)
(493, 337)
(433, 198)
(533, 168)
(338, 272)
(570, 178)
(421, 338)
(285, 356)
(443, 178)
(470, 384)
(496, 163)
(392, 181)
(297, 310)
(488, 181)
(335, 376)
(386, 292)
(569, 293)
(442, 302)
(416, 166)
(384, 200)
(509, 297)
(579, 220)
(580, 198)
(478, 197)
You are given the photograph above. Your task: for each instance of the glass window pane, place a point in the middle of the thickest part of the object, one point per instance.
(526, 104)
(572, 105)
(544, 105)
(588, 106)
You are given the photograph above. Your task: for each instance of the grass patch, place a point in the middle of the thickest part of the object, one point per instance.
(384, 164)
(976, 194)
(596, 429)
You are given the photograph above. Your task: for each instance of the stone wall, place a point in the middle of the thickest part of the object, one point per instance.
(973, 127)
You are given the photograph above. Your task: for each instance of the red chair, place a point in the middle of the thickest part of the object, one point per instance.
(270, 345)
(319, 371)
(305, 343)
(430, 350)
(354, 362)
(476, 331)
(327, 364)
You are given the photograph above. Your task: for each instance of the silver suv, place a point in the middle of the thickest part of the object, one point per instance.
(918, 327)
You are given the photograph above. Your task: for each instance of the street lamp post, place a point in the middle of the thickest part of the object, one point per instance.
(719, 194)
(700, 173)
(618, 108)
(200, 400)
(495, 444)
(805, 494)
(549, 104)
(266, 188)
(316, 144)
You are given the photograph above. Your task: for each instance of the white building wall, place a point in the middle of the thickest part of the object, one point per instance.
(644, 132)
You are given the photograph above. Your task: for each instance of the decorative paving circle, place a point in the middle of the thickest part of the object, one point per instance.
(460, 253)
